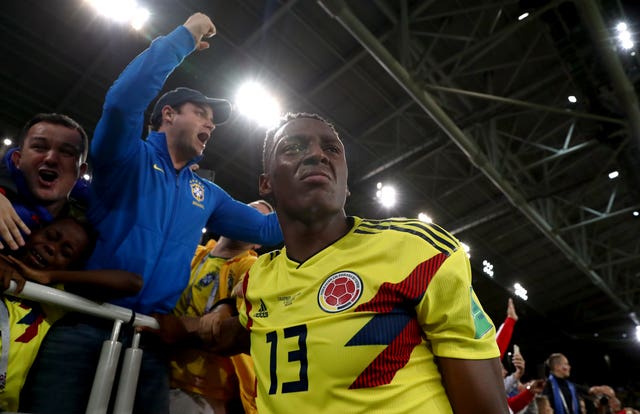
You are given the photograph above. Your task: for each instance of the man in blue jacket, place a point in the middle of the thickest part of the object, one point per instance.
(149, 208)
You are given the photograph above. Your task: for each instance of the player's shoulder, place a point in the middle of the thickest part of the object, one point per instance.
(267, 259)
(411, 230)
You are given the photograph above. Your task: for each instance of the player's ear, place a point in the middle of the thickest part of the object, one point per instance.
(264, 185)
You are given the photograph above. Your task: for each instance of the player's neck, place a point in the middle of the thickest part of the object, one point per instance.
(305, 239)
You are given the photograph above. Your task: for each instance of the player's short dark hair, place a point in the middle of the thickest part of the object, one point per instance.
(269, 139)
(57, 119)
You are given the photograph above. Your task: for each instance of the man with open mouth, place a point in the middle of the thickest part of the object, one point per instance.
(149, 208)
(37, 178)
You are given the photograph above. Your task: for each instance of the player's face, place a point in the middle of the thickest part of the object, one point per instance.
(50, 161)
(191, 127)
(307, 170)
(56, 246)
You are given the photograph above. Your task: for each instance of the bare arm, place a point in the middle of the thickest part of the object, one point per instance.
(217, 331)
(474, 386)
(110, 281)
(10, 225)
(8, 273)
(225, 336)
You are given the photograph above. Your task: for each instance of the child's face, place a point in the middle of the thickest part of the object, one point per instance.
(56, 246)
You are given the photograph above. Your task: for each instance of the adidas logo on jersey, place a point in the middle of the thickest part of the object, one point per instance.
(262, 310)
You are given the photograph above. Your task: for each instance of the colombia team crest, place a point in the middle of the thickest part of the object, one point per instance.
(197, 190)
(340, 292)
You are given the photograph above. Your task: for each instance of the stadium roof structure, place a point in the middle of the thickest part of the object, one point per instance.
(459, 104)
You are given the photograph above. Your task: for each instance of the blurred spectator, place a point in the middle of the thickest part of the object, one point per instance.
(543, 405)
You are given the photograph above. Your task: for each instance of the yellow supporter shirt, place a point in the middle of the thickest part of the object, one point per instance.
(196, 370)
(28, 324)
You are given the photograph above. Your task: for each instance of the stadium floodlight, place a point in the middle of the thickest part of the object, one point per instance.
(7, 141)
(636, 213)
(139, 18)
(523, 16)
(572, 99)
(122, 11)
(613, 174)
(256, 103)
(487, 268)
(424, 217)
(386, 195)
(624, 36)
(520, 291)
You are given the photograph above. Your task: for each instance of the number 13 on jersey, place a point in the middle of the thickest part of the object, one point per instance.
(298, 355)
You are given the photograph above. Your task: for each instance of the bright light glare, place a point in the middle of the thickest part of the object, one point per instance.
(572, 99)
(626, 44)
(257, 104)
(523, 16)
(204, 230)
(386, 196)
(520, 291)
(118, 10)
(636, 213)
(425, 218)
(466, 248)
(613, 174)
(139, 18)
(7, 141)
(624, 36)
(86, 177)
(638, 333)
(122, 11)
(487, 268)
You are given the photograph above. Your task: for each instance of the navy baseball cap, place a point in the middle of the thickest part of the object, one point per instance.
(221, 107)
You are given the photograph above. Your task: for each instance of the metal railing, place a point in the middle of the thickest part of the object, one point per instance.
(110, 354)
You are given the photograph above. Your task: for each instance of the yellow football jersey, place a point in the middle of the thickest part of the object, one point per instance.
(28, 324)
(356, 327)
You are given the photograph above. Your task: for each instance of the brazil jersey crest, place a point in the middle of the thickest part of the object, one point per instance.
(197, 190)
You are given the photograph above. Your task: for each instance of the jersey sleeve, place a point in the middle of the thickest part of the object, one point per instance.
(450, 314)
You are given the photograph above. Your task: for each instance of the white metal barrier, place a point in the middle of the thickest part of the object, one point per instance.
(109, 356)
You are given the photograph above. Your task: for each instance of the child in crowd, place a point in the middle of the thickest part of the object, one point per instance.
(51, 255)
(544, 406)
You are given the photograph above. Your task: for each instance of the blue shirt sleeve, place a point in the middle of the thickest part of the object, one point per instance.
(239, 221)
(117, 134)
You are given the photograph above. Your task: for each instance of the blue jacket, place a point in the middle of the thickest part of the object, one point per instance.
(150, 216)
